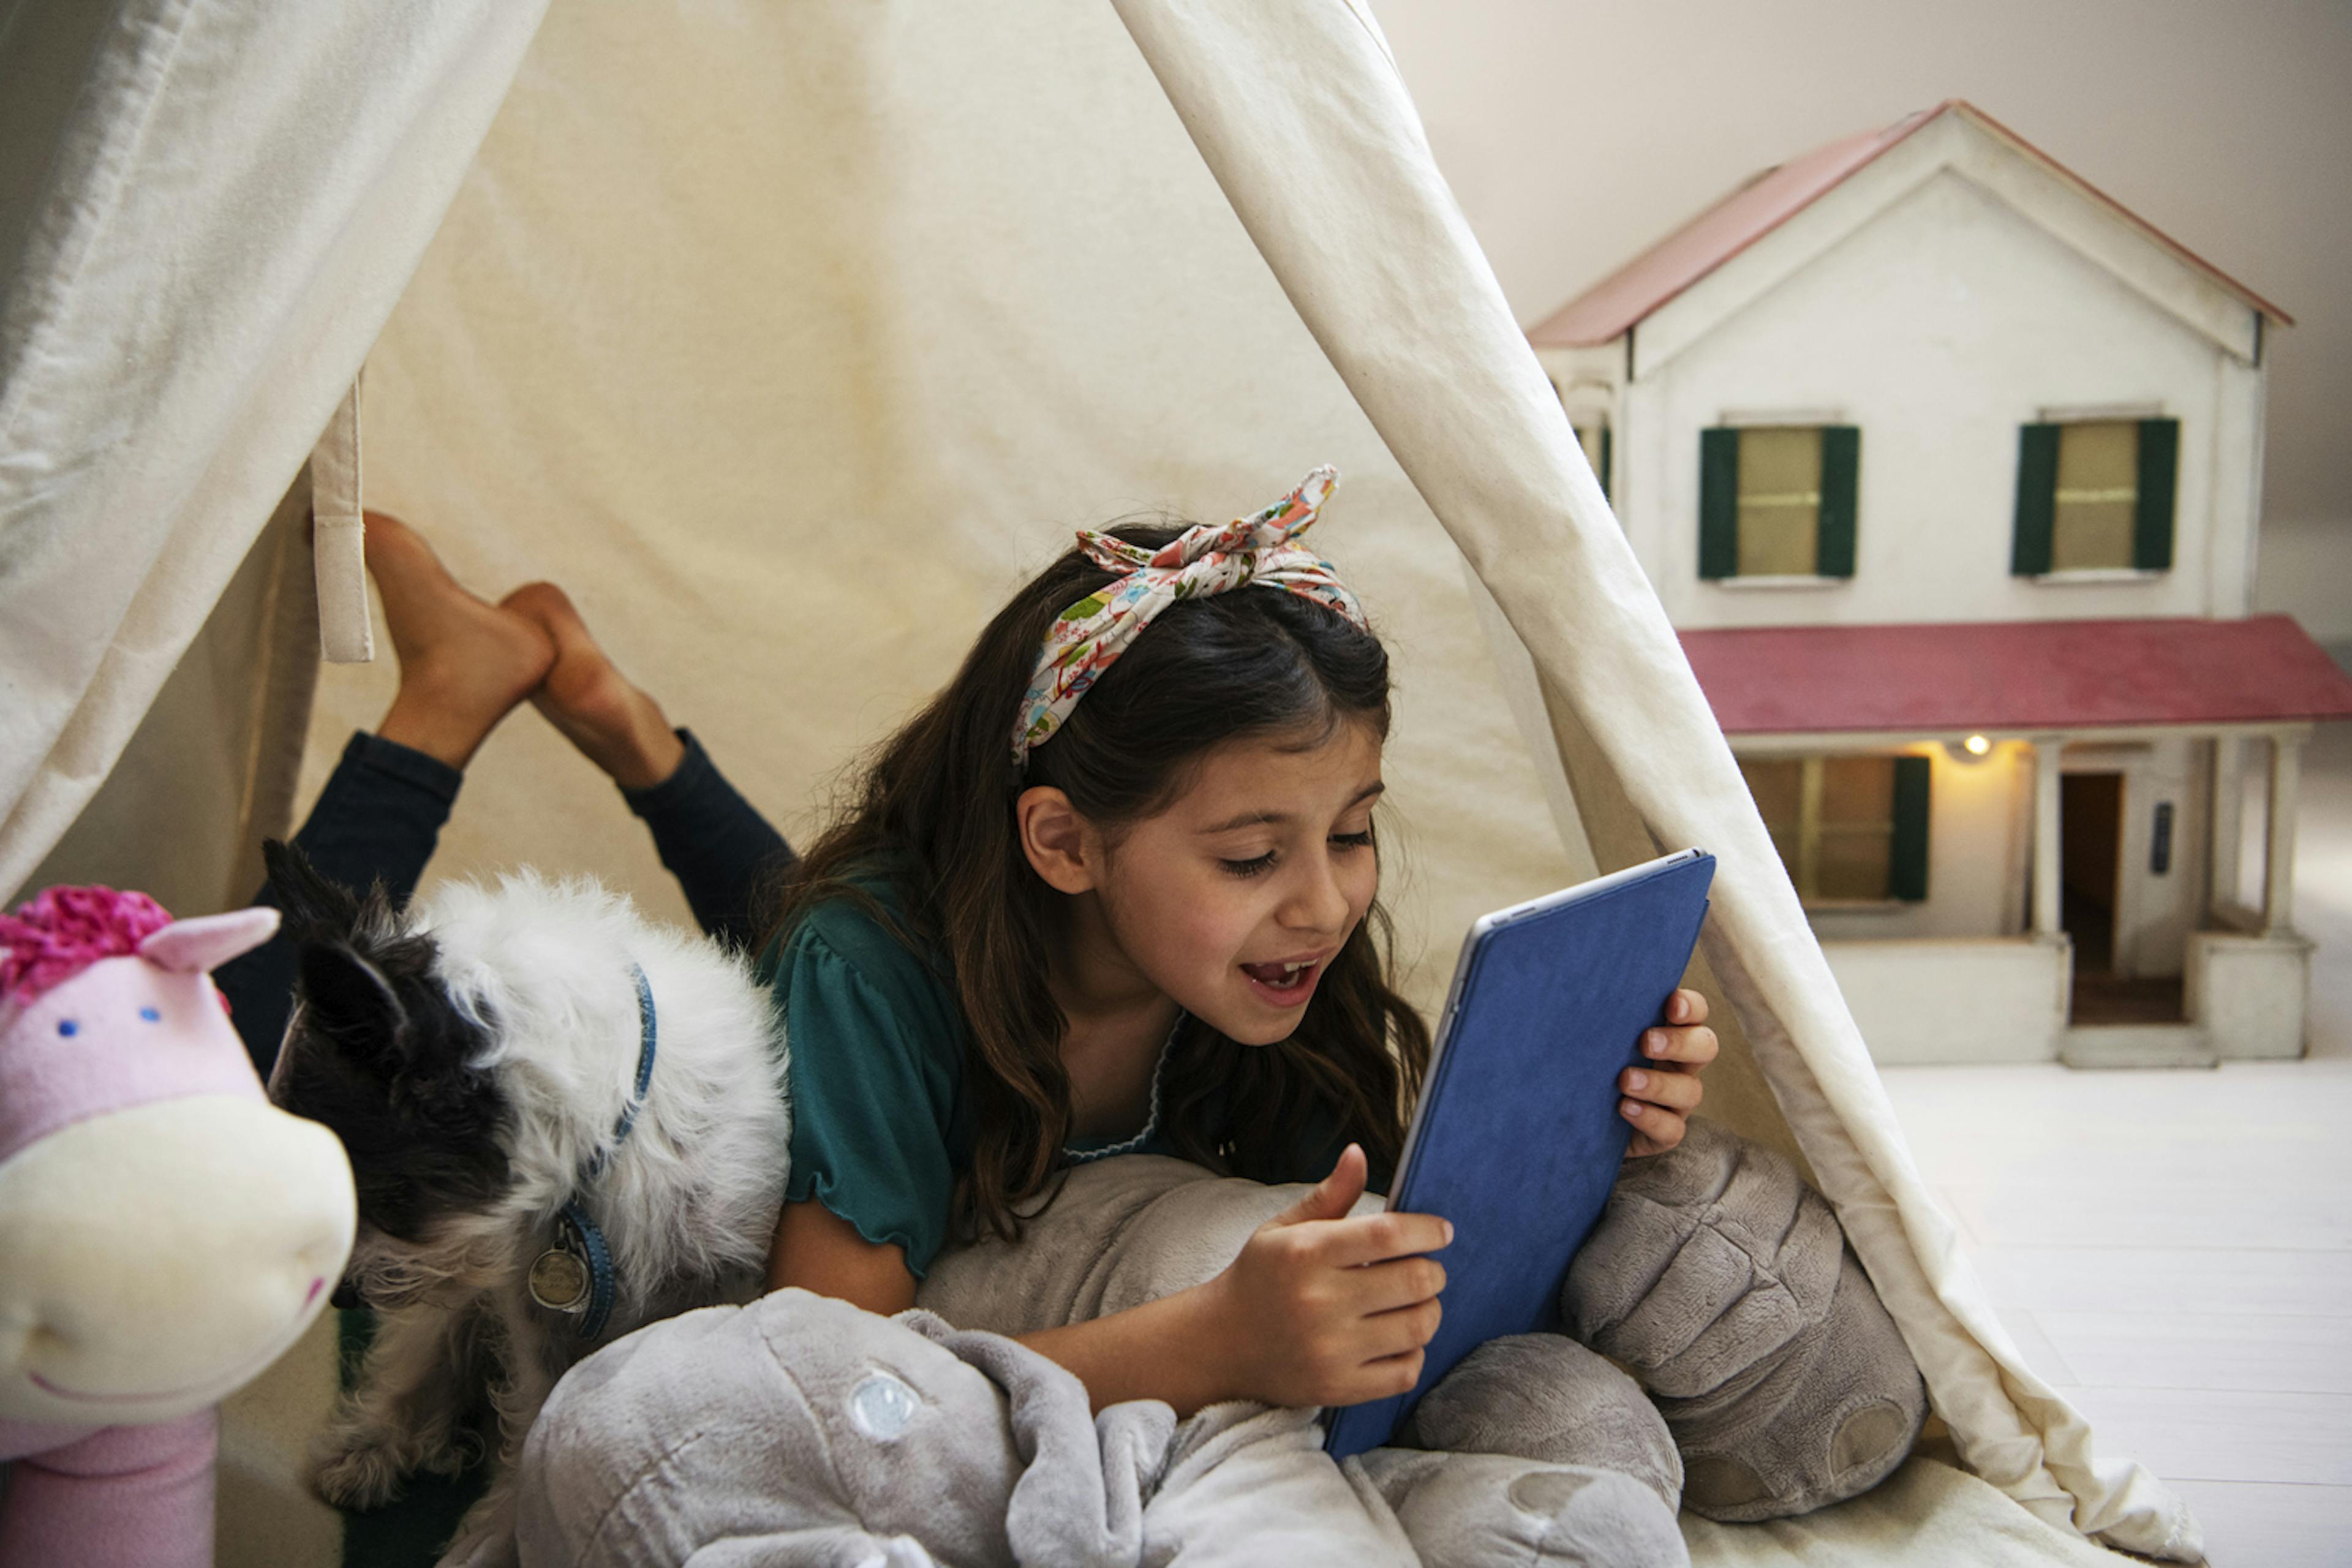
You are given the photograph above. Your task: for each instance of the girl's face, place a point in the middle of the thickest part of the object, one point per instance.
(1235, 898)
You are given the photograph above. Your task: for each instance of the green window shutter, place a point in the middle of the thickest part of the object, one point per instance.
(1841, 469)
(1718, 503)
(2159, 464)
(2037, 499)
(1907, 860)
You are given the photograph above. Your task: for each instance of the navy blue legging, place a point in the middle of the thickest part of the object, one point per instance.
(381, 814)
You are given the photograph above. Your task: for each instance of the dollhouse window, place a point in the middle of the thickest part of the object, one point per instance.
(1777, 501)
(1588, 404)
(2095, 495)
(1850, 829)
(1592, 435)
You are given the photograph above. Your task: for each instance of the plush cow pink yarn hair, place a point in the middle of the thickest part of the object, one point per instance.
(56, 935)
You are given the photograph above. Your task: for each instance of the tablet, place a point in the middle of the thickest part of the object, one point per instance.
(1516, 1138)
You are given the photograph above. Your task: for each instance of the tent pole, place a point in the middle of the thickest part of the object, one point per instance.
(1738, 1096)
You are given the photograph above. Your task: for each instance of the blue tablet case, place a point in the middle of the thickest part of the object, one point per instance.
(1518, 1138)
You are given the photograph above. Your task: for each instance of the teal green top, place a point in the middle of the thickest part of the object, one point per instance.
(876, 1048)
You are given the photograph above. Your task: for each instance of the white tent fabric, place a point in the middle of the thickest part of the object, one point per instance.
(205, 238)
(739, 318)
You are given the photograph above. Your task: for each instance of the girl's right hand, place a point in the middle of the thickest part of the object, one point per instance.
(1321, 1309)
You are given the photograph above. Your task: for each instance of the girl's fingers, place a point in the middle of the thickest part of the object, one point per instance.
(1400, 1282)
(1377, 1238)
(1391, 1375)
(1694, 1045)
(1400, 1332)
(1686, 1006)
(1332, 1197)
(1655, 1128)
(1675, 1091)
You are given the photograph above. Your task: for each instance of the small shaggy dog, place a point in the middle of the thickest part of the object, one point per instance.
(548, 1102)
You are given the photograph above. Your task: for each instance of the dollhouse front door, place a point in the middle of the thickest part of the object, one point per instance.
(2090, 836)
(2119, 889)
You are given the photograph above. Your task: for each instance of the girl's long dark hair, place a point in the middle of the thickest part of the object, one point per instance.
(935, 805)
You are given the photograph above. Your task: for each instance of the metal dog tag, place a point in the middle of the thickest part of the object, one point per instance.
(559, 1280)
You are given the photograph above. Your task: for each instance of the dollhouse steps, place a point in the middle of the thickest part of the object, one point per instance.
(2138, 1046)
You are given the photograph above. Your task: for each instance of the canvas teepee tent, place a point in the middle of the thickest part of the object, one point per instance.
(730, 319)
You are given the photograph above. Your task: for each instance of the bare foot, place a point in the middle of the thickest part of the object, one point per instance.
(464, 662)
(615, 725)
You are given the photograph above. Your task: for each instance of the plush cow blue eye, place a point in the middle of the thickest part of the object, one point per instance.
(151, 1016)
(68, 1027)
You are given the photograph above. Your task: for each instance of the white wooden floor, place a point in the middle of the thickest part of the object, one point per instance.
(2173, 1250)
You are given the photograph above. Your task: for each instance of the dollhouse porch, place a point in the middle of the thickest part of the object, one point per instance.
(2041, 841)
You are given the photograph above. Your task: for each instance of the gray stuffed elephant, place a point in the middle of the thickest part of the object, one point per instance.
(797, 1430)
(1721, 1280)
(1766, 1378)
(1601, 1490)
(800, 1431)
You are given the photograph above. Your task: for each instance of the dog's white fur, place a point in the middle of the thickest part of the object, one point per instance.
(688, 1203)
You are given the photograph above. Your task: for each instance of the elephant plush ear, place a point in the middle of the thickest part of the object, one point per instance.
(193, 946)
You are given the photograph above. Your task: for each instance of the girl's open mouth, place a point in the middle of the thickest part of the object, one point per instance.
(1284, 984)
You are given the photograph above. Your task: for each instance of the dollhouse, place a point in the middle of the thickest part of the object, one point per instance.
(1947, 469)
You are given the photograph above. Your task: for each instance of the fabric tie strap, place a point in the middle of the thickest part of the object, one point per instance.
(1090, 635)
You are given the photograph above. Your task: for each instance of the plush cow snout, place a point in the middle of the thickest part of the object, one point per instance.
(161, 1254)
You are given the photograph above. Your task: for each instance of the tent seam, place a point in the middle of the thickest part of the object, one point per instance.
(1380, 39)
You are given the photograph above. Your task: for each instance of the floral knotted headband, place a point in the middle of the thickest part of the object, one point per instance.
(1086, 638)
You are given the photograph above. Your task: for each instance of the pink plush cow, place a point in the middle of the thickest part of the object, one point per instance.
(166, 1233)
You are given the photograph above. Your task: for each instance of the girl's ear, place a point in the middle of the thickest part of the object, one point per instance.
(1060, 845)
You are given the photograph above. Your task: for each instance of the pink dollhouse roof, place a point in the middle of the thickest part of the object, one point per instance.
(2015, 675)
(1769, 200)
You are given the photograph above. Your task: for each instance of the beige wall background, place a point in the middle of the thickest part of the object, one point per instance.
(1576, 133)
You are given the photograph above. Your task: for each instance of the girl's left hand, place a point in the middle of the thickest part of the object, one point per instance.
(1660, 1097)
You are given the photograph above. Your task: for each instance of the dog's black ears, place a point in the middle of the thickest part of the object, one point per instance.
(351, 1000)
(315, 908)
(318, 910)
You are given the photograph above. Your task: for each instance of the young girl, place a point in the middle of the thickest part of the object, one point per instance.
(1051, 930)
(1116, 891)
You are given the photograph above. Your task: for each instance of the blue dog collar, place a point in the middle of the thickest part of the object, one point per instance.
(576, 1275)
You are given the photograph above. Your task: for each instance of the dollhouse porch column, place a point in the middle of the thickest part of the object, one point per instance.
(2278, 876)
(2224, 811)
(2045, 836)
